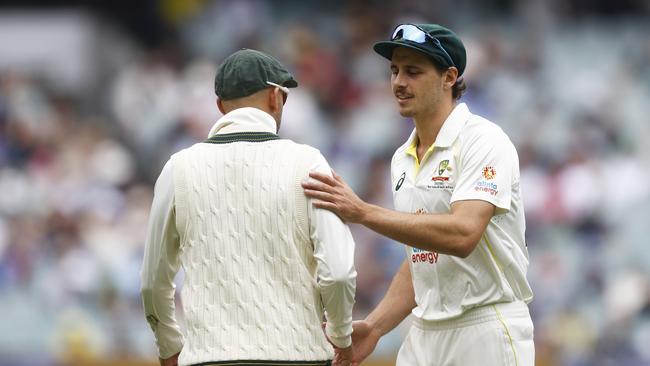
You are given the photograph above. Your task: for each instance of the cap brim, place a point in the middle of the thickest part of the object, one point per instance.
(291, 83)
(386, 48)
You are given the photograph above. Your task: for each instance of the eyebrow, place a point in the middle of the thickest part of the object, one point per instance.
(408, 65)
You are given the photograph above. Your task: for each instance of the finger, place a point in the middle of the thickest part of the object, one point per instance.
(325, 178)
(343, 361)
(336, 176)
(336, 360)
(324, 205)
(322, 196)
(316, 185)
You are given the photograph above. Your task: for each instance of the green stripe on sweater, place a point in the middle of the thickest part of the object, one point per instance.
(242, 136)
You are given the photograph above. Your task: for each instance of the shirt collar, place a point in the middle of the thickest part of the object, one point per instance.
(412, 144)
(247, 119)
(452, 125)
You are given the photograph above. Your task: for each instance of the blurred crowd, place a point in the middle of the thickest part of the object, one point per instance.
(77, 166)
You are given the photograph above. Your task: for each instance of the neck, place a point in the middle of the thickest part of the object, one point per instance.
(427, 126)
(259, 106)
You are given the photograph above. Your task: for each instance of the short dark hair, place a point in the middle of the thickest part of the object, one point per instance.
(458, 89)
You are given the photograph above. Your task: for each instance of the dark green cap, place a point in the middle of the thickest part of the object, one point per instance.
(449, 52)
(247, 71)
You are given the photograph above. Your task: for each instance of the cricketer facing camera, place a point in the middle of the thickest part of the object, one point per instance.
(262, 265)
(458, 210)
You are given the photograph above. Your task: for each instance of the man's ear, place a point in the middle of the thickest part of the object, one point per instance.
(220, 106)
(450, 77)
(272, 99)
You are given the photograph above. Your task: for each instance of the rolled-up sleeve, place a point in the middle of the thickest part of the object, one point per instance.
(160, 265)
(334, 253)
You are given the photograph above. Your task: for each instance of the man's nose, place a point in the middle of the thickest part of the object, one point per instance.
(399, 80)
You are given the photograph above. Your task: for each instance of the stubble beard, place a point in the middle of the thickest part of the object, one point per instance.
(406, 113)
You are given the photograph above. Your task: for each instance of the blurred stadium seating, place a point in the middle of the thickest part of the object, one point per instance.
(94, 99)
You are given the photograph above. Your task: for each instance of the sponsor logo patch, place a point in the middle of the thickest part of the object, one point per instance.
(443, 166)
(400, 182)
(489, 172)
(488, 187)
(423, 256)
(439, 179)
(153, 322)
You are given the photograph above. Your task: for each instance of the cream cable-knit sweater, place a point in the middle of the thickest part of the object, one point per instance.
(261, 265)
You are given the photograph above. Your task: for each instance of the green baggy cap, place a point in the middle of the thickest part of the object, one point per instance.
(247, 71)
(449, 43)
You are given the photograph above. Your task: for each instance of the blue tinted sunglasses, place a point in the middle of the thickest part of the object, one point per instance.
(416, 34)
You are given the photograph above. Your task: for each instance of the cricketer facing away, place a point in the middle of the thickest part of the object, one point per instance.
(262, 265)
(459, 211)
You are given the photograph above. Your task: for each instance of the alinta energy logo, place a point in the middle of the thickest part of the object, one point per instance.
(488, 187)
(423, 256)
(488, 173)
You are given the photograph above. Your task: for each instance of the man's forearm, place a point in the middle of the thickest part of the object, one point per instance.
(456, 233)
(453, 234)
(396, 304)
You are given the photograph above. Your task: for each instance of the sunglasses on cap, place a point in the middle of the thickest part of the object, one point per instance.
(283, 89)
(416, 34)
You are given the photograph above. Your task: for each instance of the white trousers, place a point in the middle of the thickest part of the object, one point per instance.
(491, 335)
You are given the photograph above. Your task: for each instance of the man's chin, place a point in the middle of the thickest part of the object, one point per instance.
(405, 112)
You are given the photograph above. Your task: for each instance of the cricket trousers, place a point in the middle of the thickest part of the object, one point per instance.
(491, 335)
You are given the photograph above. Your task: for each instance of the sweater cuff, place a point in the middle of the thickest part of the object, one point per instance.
(170, 346)
(341, 342)
(339, 336)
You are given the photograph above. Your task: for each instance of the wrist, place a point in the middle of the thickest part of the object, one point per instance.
(365, 213)
(375, 327)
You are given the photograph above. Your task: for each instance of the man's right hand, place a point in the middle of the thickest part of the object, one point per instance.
(332, 193)
(364, 341)
(342, 356)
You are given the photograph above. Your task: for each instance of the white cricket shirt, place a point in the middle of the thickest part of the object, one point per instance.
(471, 159)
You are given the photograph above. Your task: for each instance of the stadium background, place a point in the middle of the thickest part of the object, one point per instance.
(94, 98)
